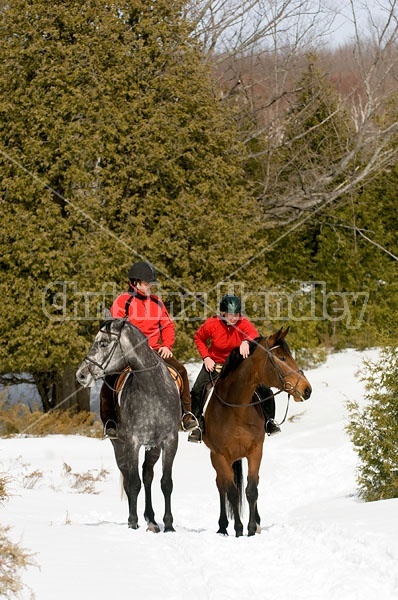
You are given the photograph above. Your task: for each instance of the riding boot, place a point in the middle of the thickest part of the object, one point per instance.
(268, 408)
(196, 435)
(188, 421)
(110, 430)
(271, 427)
(108, 410)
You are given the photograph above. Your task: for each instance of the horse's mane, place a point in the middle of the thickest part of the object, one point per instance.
(121, 322)
(106, 325)
(235, 358)
(281, 342)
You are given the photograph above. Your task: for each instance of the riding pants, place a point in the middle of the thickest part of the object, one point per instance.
(204, 377)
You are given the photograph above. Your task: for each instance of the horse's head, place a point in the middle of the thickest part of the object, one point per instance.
(114, 348)
(105, 355)
(282, 368)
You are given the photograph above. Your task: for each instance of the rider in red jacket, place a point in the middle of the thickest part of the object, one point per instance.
(148, 313)
(215, 340)
(218, 336)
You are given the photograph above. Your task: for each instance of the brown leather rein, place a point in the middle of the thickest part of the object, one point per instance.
(287, 386)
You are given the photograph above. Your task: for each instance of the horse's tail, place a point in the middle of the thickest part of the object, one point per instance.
(238, 479)
(122, 490)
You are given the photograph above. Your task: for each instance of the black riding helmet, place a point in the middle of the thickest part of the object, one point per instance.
(230, 304)
(143, 271)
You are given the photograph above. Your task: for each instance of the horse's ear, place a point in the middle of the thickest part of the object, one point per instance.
(106, 314)
(283, 334)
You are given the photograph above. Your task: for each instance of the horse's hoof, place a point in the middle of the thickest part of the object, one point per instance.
(133, 525)
(222, 532)
(154, 527)
(167, 529)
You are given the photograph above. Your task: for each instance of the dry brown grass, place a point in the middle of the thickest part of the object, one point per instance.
(84, 483)
(12, 558)
(19, 419)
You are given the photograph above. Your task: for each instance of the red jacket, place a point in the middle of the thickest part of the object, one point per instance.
(149, 314)
(216, 339)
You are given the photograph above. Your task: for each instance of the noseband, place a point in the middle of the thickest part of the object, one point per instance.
(286, 385)
(116, 343)
(91, 361)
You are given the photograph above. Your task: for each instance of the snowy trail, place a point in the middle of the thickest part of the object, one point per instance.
(318, 541)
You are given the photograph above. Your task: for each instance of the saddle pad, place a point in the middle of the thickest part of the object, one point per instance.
(176, 377)
(207, 399)
(121, 380)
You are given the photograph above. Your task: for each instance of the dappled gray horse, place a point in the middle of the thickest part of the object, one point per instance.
(150, 412)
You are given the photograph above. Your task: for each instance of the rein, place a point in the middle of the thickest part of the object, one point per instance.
(255, 403)
(287, 387)
(95, 363)
(117, 343)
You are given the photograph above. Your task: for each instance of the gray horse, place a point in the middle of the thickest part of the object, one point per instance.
(149, 409)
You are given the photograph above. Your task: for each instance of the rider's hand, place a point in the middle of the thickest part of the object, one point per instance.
(244, 349)
(165, 352)
(209, 364)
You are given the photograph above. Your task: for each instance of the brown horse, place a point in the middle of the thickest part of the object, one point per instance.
(234, 421)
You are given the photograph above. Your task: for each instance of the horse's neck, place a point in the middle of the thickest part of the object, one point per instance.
(242, 382)
(263, 366)
(139, 355)
(253, 372)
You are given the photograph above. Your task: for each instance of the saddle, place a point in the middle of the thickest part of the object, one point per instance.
(209, 387)
(121, 380)
(176, 378)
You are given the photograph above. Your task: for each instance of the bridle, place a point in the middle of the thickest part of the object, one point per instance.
(116, 343)
(286, 385)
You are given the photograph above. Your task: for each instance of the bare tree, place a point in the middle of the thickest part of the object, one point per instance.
(260, 49)
(227, 27)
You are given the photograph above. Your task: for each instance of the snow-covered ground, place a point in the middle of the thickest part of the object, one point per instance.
(318, 540)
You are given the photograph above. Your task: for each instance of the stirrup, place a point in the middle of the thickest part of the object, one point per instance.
(272, 427)
(188, 412)
(196, 436)
(110, 430)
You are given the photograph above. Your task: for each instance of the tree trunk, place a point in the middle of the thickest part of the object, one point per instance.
(61, 391)
(68, 392)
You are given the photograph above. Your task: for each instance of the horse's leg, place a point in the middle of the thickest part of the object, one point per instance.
(226, 488)
(258, 521)
(169, 452)
(223, 519)
(254, 461)
(131, 483)
(151, 457)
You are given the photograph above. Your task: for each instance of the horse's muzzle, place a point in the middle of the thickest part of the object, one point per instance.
(84, 377)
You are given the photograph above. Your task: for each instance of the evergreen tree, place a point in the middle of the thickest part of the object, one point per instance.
(355, 281)
(113, 148)
(373, 428)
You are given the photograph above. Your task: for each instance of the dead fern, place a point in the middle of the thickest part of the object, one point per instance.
(84, 483)
(19, 419)
(12, 558)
